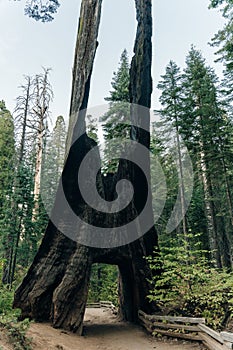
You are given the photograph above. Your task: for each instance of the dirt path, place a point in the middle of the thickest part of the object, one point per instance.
(102, 331)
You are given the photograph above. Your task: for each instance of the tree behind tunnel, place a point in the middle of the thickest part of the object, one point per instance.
(56, 285)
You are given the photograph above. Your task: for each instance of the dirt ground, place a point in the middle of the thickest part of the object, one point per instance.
(102, 331)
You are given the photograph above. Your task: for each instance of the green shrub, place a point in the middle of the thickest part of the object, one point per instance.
(6, 299)
(16, 332)
(189, 286)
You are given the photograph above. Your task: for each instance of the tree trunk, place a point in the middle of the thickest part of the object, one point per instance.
(38, 166)
(56, 285)
(181, 183)
(210, 215)
(84, 56)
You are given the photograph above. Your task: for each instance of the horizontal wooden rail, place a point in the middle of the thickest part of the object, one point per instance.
(102, 304)
(188, 328)
(172, 318)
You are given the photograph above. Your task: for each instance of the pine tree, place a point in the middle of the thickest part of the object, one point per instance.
(172, 102)
(22, 200)
(161, 148)
(173, 158)
(30, 123)
(192, 108)
(224, 41)
(26, 224)
(7, 161)
(203, 127)
(224, 37)
(40, 10)
(116, 119)
(92, 127)
(53, 161)
(42, 97)
(120, 81)
(23, 119)
(7, 152)
(103, 283)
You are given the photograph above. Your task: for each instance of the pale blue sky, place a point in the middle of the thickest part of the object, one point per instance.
(26, 45)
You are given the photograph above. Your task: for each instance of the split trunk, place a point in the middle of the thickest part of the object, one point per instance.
(56, 286)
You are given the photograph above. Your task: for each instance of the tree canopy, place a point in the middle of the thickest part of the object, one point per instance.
(41, 10)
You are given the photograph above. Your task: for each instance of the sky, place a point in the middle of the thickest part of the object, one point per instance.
(26, 46)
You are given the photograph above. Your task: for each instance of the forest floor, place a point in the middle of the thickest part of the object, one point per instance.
(102, 330)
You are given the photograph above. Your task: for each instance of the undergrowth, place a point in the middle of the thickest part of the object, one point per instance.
(15, 330)
(190, 286)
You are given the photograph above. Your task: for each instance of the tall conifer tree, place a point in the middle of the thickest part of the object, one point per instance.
(116, 119)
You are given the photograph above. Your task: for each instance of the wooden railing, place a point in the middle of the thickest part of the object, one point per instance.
(103, 304)
(186, 328)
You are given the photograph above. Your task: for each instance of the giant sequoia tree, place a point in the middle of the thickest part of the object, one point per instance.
(56, 285)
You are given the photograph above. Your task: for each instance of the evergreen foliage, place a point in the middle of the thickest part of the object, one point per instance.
(116, 119)
(7, 152)
(21, 225)
(92, 128)
(205, 125)
(193, 114)
(103, 284)
(188, 285)
(224, 37)
(7, 161)
(53, 160)
(223, 40)
(41, 10)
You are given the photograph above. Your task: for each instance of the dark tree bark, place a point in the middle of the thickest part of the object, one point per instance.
(56, 285)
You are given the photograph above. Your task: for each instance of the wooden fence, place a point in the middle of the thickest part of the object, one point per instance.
(186, 328)
(103, 304)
